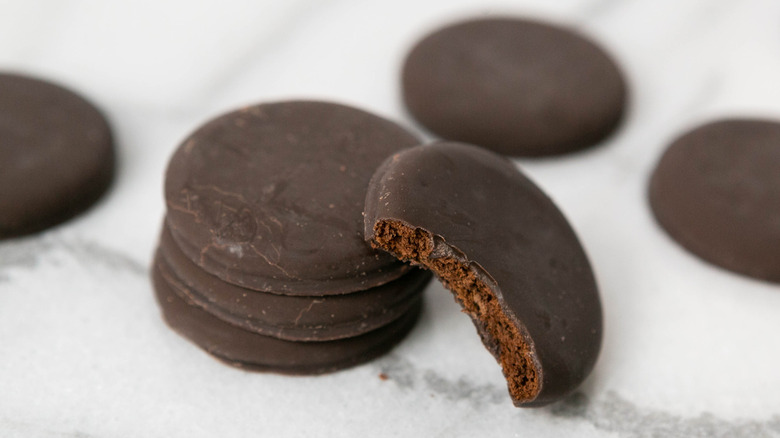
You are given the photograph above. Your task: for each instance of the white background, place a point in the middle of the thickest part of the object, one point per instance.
(689, 349)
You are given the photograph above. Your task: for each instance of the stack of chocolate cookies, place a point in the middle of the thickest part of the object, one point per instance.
(262, 260)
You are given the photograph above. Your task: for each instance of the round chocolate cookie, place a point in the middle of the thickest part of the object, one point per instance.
(254, 351)
(518, 87)
(716, 191)
(294, 318)
(506, 252)
(270, 197)
(56, 155)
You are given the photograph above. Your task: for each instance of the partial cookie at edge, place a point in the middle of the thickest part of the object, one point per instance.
(716, 191)
(56, 155)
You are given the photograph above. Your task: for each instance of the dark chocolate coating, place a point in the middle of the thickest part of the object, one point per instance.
(257, 352)
(270, 197)
(56, 155)
(518, 87)
(481, 211)
(716, 191)
(293, 318)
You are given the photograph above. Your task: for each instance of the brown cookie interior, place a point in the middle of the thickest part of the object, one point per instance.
(498, 333)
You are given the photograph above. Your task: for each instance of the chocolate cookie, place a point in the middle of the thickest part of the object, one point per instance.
(56, 155)
(253, 351)
(716, 191)
(294, 318)
(270, 197)
(516, 86)
(505, 251)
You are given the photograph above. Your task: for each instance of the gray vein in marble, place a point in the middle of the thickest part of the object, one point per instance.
(614, 414)
(22, 253)
(610, 413)
(25, 253)
(408, 377)
(90, 252)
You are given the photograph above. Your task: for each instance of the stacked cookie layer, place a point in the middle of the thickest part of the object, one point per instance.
(262, 260)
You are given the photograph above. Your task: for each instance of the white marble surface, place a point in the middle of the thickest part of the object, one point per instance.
(689, 349)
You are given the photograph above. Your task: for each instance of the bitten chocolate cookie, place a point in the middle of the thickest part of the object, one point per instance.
(270, 197)
(515, 86)
(505, 251)
(716, 191)
(294, 318)
(56, 155)
(253, 351)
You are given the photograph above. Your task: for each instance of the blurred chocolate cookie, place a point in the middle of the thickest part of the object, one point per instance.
(516, 86)
(56, 155)
(716, 191)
